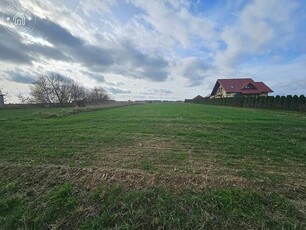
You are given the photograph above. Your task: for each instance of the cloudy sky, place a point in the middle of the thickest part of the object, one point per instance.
(154, 49)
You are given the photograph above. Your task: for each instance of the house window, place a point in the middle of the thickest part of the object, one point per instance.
(249, 86)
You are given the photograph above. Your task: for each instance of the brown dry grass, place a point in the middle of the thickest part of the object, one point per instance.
(41, 178)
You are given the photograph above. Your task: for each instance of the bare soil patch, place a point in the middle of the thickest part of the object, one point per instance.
(40, 178)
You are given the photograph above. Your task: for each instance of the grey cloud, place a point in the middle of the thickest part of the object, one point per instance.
(154, 73)
(118, 91)
(13, 54)
(66, 47)
(141, 65)
(287, 87)
(123, 58)
(11, 49)
(91, 56)
(96, 76)
(20, 76)
(156, 91)
(37, 51)
(195, 81)
(14, 50)
(55, 34)
(165, 91)
(4, 4)
(115, 84)
(195, 71)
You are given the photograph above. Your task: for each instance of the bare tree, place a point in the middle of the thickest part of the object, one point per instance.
(55, 88)
(23, 99)
(41, 91)
(60, 87)
(97, 95)
(52, 88)
(78, 92)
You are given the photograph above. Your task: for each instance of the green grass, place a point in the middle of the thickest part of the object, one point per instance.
(51, 210)
(212, 209)
(233, 132)
(64, 207)
(177, 165)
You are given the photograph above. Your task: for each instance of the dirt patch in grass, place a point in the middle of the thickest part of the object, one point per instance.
(154, 154)
(37, 180)
(286, 178)
(41, 178)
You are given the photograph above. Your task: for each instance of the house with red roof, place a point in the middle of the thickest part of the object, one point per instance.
(239, 87)
(199, 97)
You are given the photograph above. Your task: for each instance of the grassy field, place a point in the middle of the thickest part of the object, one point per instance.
(166, 166)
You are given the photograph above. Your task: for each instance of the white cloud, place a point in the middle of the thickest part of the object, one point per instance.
(193, 71)
(283, 78)
(92, 6)
(262, 26)
(176, 23)
(68, 18)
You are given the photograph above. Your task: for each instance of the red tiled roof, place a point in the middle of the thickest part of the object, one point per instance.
(198, 97)
(263, 87)
(238, 86)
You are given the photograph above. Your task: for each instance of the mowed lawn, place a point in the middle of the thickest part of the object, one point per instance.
(152, 166)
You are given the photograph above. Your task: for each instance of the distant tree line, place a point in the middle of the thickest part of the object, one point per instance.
(54, 88)
(294, 103)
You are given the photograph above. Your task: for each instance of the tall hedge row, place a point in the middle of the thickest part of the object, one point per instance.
(294, 103)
